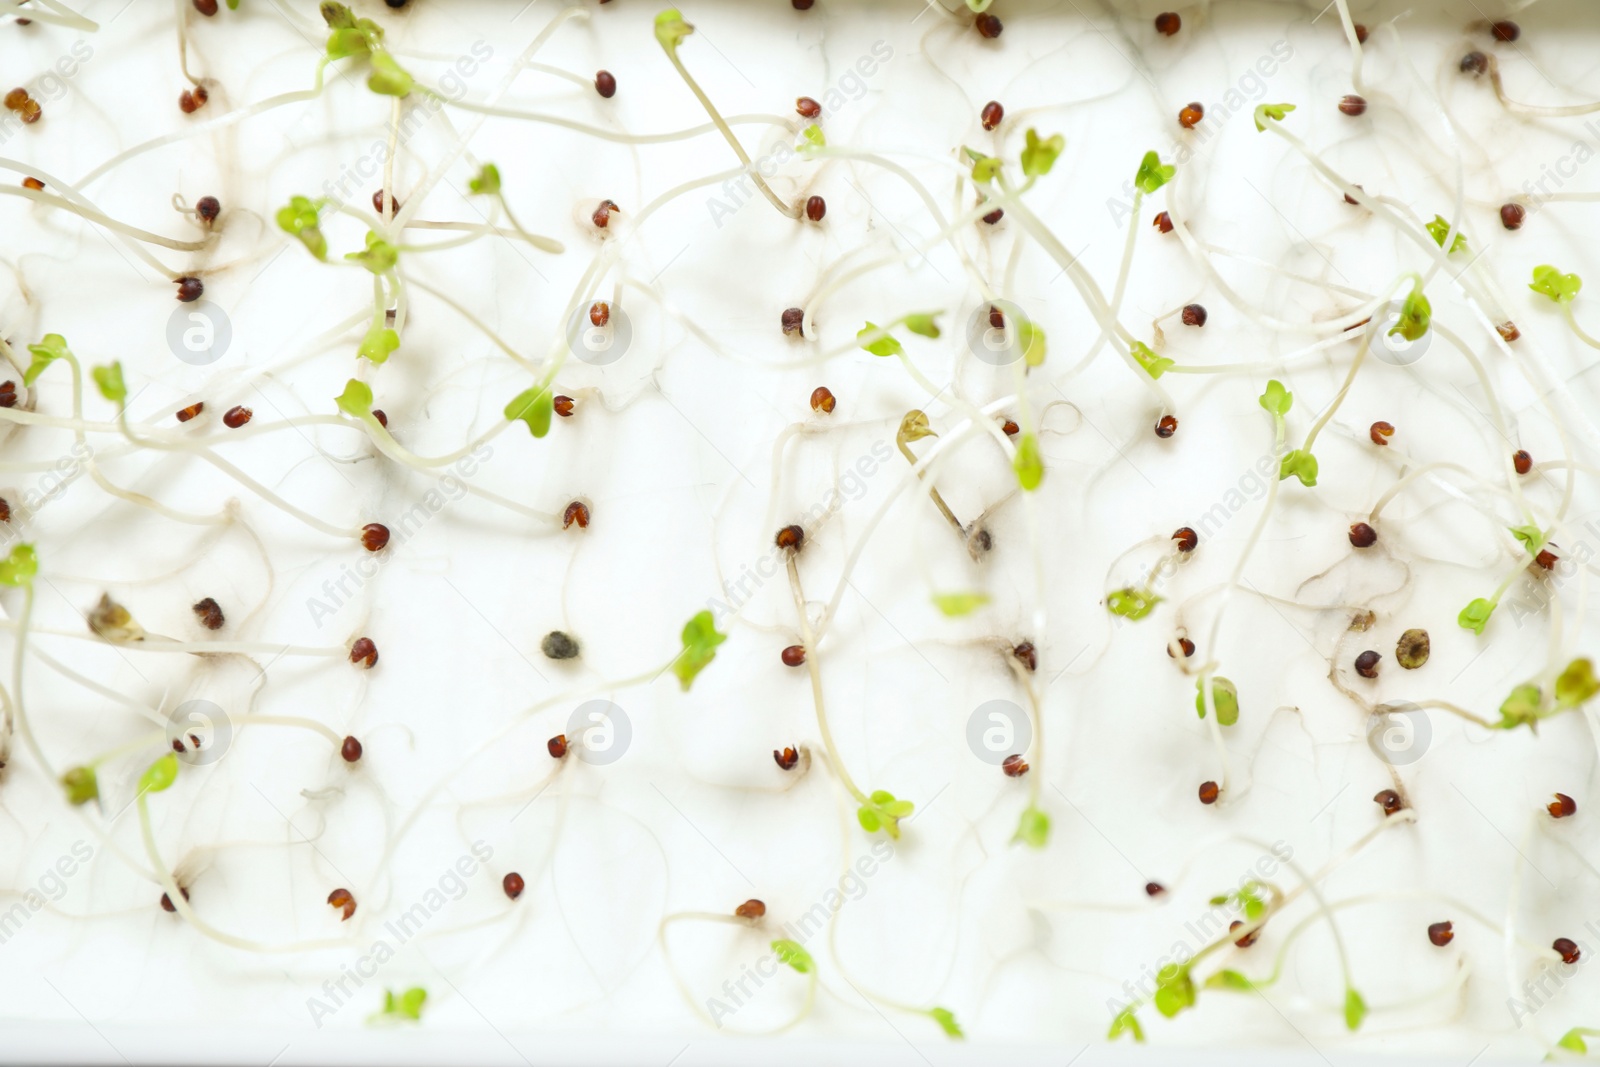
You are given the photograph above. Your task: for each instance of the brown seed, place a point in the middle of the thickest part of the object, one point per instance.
(816, 207)
(364, 652)
(1352, 105)
(1009, 428)
(166, 901)
(383, 420)
(786, 759)
(177, 745)
(1508, 331)
(1191, 114)
(185, 414)
(1441, 934)
(1168, 23)
(801, 5)
(997, 318)
(988, 25)
(793, 320)
(558, 645)
(822, 400)
(190, 289)
(751, 909)
(793, 655)
(5, 510)
(1154, 889)
(1027, 654)
(1511, 216)
(577, 512)
(1362, 535)
(378, 199)
(557, 746)
(1184, 644)
(1208, 792)
(1014, 766)
(1412, 650)
(32, 183)
(564, 406)
(192, 100)
(208, 208)
(1506, 31)
(374, 536)
(1546, 558)
(1248, 939)
(1388, 800)
(1562, 806)
(790, 537)
(1567, 948)
(209, 614)
(995, 216)
(1380, 432)
(605, 83)
(513, 885)
(350, 750)
(344, 901)
(1163, 222)
(1474, 63)
(8, 394)
(236, 416)
(16, 99)
(1194, 315)
(1166, 427)
(602, 214)
(599, 313)
(1522, 461)
(1367, 664)
(206, 7)
(32, 112)
(1361, 34)
(1186, 537)
(992, 114)
(806, 107)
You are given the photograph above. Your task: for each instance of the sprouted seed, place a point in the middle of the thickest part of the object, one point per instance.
(1562, 807)
(1441, 933)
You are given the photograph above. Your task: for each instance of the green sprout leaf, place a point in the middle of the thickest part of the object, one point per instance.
(19, 568)
(1439, 229)
(298, 218)
(1576, 684)
(1275, 112)
(108, 379)
(700, 641)
(1415, 316)
(1153, 365)
(944, 1016)
(923, 324)
(345, 42)
(1532, 537)
(1174, 990)
(1524, 707)
(379, 256)
(1131, 603)
(883, 812)
(1301, 464)
(1033, 828)
(51, 348)
(1126, 1022)
(1572, 1041)
(1232, 981)
(1355, 1009)
(1475, 616)
(794, 954)
(1225, 698)
(883, 346)
(406, 1006)
(533, 406)
(1153, 173)
(388, 78)
(487, 183)
(814, 137)
(1039, 155)
(82, 785)
(984, 168)
(671, 29)
(378, 343)
(160, 775)
(955, 605)
(1276, 399)
(1562, 288)
(1027, 463)
(1031, 337)
(356, 400)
